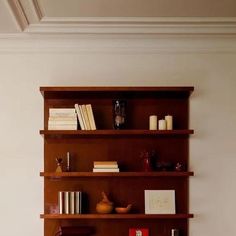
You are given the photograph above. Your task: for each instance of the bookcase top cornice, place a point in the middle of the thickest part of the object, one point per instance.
(184, 90)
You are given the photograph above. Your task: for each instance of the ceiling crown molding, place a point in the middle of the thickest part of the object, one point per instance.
(32, 19)
(135, 25)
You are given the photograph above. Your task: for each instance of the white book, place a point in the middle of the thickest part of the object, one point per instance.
(72, 202)
(78, 202)
(61, 111)
(66, 203)
(60, 202)
(106, 170)
(105, 166)
(86, 117)
(91, 116)
(62, 118)
(62, 122)
(62, 127)
(79, 115)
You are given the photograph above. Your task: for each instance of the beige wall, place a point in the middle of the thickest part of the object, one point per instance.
(134, 8)
(205, 63)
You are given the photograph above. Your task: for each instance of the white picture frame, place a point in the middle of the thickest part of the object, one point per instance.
(159, 201)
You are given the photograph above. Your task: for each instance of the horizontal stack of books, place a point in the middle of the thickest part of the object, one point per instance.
(62, 119)
(70, 202)
(105, 166)
(85, 116)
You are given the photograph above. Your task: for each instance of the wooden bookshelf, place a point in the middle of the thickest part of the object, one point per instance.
(123, 146)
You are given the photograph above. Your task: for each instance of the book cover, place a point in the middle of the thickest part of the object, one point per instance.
(79, 115)
(91, 116)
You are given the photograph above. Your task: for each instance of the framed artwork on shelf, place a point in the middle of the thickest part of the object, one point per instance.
(139, 232)
(159, 201)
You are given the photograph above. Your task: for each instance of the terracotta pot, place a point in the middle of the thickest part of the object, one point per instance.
(104, 207)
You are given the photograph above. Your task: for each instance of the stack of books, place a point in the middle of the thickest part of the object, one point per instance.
(70, 202)
(62, 119)
(85, 116)
(105, 166)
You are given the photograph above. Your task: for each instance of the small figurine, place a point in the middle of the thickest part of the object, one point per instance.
(179, 167)
(59, 164)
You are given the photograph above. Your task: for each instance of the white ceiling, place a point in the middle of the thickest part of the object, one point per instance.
(79, 16)
(8, 23)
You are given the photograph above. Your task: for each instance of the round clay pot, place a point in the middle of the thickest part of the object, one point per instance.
(104, 208)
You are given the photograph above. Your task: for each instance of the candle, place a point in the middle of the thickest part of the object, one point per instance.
(153, 122)
(162, 124)
(68, 161)
(169, 122)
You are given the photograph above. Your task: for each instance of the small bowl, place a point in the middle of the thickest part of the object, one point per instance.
(123, 210)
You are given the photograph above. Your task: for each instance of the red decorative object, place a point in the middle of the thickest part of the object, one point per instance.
(139, 232)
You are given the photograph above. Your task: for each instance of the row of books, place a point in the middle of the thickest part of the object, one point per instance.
(69, 118)
(85, 116)
(105, 166)
(62, 119)
(70, 202)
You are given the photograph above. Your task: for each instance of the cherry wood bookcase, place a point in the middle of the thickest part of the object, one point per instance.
(124, 146)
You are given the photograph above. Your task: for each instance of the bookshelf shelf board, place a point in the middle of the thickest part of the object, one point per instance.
(120, 174)
(92, 133)
(115, 216)
(70, 92)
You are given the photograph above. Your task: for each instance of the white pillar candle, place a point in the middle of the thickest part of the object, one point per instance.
(162, 124)
(152, 122)
(169, 122)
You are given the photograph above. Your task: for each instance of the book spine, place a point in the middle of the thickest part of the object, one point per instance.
(83, 118)
(62, 118)
(66, 203)
(78, 202)
(61, 111)
(72, 202)
(79, 115)
(62, 122)
(105, 166)
(86, 117)
(60, 202)
(105, 162)
(90, 116)
(106, 170)
(62, 127)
